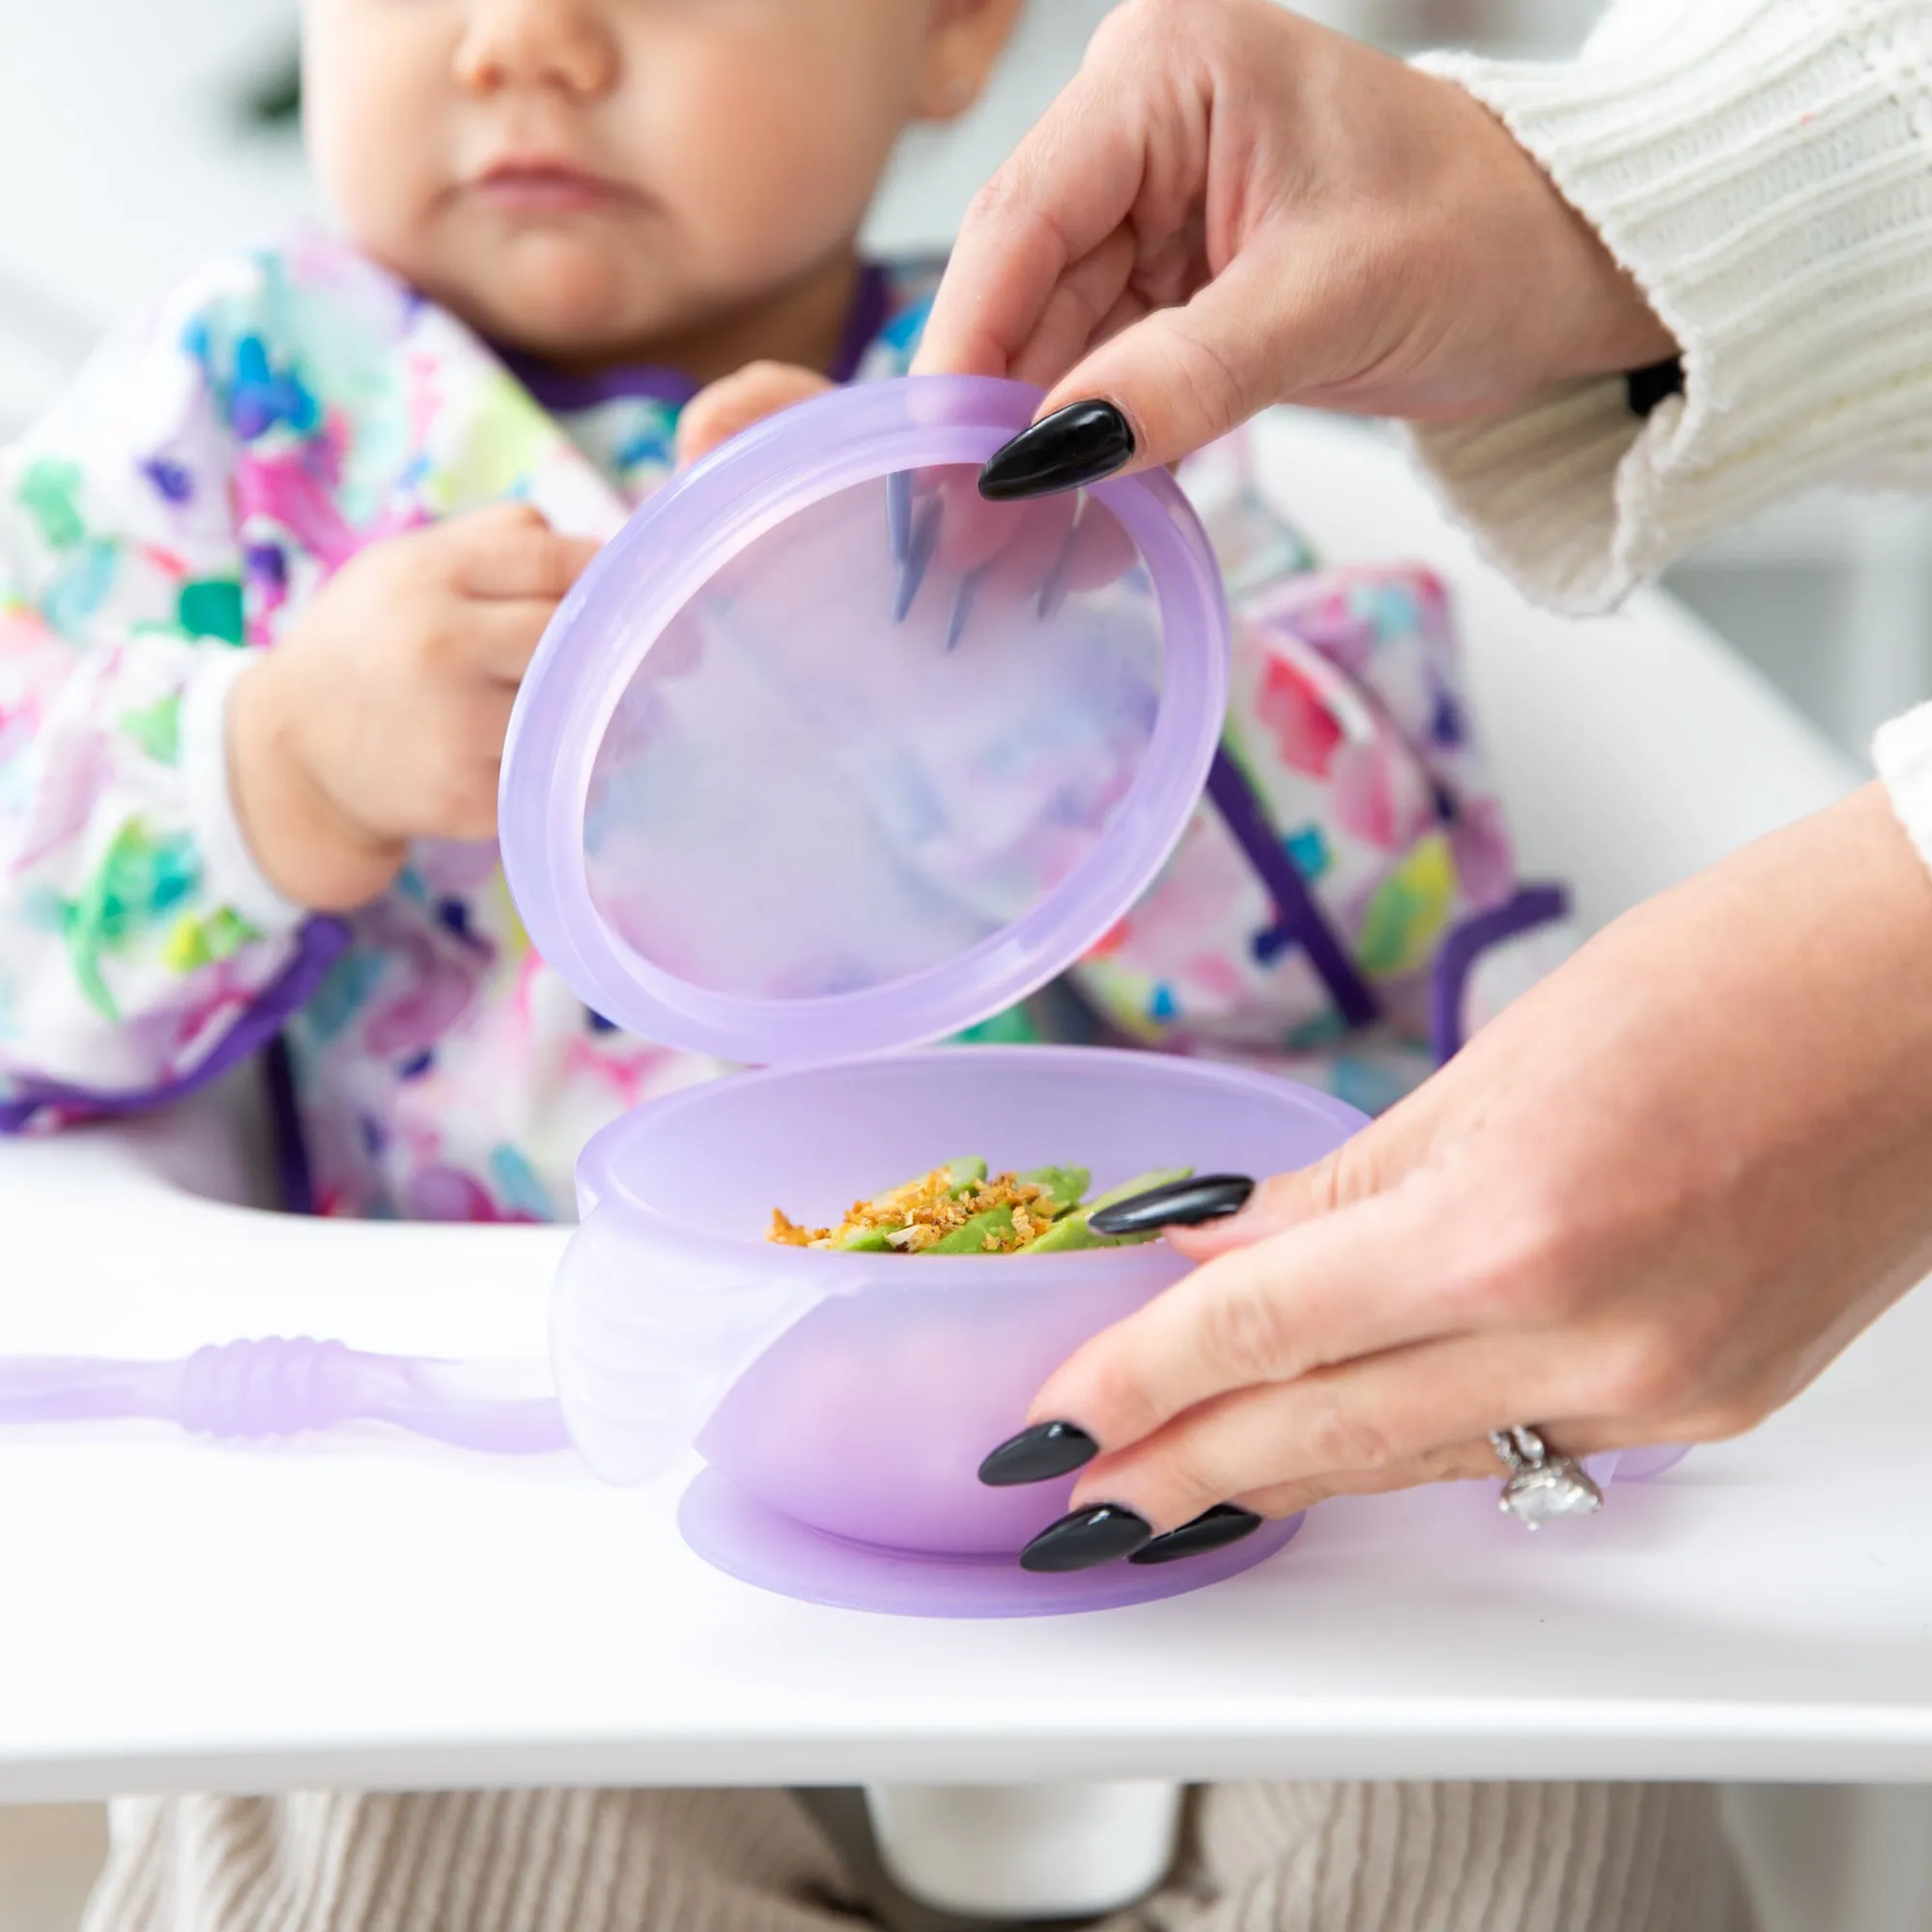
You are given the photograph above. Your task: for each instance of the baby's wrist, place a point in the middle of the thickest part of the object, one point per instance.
(308, 847)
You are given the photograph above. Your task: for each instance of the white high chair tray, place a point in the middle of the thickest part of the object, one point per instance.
(366, 1610)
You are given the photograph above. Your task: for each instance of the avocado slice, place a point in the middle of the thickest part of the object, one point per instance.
(970, 1238)
(1064, 1185)
(1071, 1235)
(1141, 1183)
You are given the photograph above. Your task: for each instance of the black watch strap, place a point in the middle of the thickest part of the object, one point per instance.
(1647, 388)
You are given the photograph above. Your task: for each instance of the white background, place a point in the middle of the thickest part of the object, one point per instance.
(122, 161)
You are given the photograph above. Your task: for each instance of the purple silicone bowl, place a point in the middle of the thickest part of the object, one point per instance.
(856, 1394)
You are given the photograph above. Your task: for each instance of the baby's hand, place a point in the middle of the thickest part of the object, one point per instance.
(732, 403)
(381, 715)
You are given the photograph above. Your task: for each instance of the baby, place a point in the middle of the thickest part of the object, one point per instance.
(271, 572)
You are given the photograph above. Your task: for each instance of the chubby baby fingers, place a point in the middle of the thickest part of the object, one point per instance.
(495, 639)
(460, 764)
(508, 551)
(737, 402)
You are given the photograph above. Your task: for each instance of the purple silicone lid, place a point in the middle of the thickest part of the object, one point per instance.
(824, 756)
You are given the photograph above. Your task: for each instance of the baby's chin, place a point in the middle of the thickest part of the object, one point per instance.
(557, 296)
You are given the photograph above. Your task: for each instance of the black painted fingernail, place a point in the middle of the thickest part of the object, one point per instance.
(1182, 1204)
(1646, 388)
(1038, 1455)
(1212, 1529)
(1086, 1538)
(1078, 444)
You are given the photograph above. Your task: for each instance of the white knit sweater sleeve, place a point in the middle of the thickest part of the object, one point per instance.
(1763, 168)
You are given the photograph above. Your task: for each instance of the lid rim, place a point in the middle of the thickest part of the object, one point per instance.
(701, 522)
(609, 1157)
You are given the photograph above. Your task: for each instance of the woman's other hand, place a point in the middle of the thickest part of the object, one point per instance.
(1231, 206)
(1647, 1204)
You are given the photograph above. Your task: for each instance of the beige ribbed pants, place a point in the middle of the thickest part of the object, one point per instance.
(1265, 1857)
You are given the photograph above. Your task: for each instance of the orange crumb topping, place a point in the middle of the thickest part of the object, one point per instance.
(922, 1212)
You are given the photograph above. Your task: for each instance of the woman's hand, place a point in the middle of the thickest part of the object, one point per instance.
(380, 715)
(1231, 206)
(1012, 553)
(1647, 1204)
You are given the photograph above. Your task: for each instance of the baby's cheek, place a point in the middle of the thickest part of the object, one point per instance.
(772, 170)
(374, 120)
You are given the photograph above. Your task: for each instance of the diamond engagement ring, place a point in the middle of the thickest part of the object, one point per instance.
(1541, 1484)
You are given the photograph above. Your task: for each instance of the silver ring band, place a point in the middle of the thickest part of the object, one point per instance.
(1540, 1485)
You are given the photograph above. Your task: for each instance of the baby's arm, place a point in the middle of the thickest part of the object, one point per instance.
(140, 948)
(176, 808)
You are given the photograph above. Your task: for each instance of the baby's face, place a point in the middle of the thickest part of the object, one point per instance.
(586, 178)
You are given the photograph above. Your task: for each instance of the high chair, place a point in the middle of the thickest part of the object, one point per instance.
(370, 1611)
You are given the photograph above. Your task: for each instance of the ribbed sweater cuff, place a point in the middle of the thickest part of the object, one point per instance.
(1902, 752)
(1764, 171)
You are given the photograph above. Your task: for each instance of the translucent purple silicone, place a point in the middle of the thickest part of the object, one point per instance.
(1639, 1466)
(896, 1375)
(847, 1401)
(746, 1539)
(288, 1385)
(825, 756)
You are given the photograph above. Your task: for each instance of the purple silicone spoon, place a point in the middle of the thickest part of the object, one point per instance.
(288, 1387)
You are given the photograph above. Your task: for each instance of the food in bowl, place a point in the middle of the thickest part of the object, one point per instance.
(959, 1209)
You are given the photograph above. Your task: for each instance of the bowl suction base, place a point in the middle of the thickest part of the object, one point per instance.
(734, 1532)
